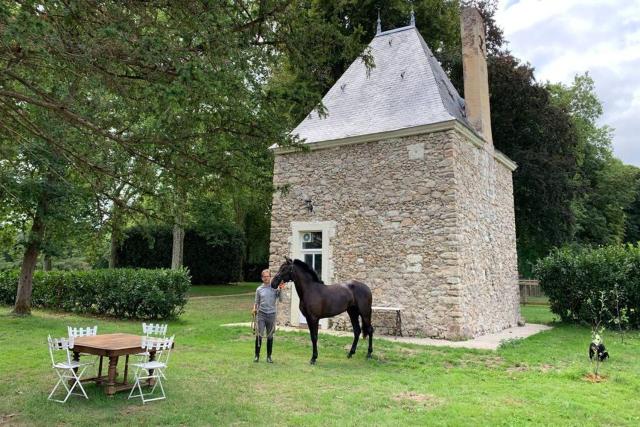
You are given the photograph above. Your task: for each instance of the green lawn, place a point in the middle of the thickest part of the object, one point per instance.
(538, 314)
(213, 381)
(219, 290)
(537, 301)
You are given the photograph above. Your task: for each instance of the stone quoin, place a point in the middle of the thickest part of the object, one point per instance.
(402, 189)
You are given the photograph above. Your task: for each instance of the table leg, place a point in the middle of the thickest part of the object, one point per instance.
(126, 369)
(111, 381)
(399, 323)
(100, 370)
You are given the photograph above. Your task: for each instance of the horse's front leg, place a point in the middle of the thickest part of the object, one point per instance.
(313, 331)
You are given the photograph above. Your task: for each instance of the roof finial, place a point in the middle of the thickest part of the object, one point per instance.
(379, 27)
(413, 18)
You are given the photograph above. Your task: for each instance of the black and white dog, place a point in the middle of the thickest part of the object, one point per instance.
(598, 350)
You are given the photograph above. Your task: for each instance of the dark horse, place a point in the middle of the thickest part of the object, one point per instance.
(318, 301)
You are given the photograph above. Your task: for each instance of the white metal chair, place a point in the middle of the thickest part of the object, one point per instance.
(75, 332)
(152, 330)
(152, 370)
(82, 332)
(66, 369)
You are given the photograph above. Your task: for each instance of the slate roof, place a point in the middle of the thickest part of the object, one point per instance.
(407, 88)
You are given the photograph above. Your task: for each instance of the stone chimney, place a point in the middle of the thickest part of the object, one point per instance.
(474, 62)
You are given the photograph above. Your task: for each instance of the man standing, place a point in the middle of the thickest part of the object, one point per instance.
(265, 307)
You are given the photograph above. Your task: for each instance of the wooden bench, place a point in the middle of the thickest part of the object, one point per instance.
(397, 310)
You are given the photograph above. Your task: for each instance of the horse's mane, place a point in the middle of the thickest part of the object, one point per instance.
(308, 269)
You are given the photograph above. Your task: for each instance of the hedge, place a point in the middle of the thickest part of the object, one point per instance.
(123, 293)
(572, 276)
(212, 256)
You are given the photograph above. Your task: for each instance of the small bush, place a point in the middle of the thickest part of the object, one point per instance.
(252, 272)
(574, 278)
(123, 293)
(212, 256)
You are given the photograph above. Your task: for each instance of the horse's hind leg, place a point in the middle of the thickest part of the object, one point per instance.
(370, 350)
(355, 323)
(367, 329)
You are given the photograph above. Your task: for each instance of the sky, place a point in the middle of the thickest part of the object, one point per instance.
(562, 38)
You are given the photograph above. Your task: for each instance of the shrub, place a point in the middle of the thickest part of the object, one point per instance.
(252, 271)
(573, 278)
(212, 256)
(124, 293)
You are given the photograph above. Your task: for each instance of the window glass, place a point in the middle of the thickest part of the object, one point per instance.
(318, 264)
(312, 240)
(308, 258)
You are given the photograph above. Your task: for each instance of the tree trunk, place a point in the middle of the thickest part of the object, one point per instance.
(177, 252)
(25, 282)
(178, 246)
(240, 220)
(46, 263)
(116, 237)
(113, 253)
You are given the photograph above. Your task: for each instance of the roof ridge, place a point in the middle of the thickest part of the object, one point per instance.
(395, 30)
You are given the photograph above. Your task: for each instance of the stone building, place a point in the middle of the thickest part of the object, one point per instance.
(402, 189)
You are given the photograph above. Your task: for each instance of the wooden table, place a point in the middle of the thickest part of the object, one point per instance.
(112, 346)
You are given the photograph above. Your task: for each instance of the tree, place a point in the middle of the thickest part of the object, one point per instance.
(540, 138)
(632, 213)
(603, 181)
(43, 199)
(178, 87)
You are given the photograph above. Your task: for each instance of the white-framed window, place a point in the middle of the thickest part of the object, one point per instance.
(311, 249)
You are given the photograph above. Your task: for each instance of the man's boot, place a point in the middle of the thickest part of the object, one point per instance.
(258, 345)
(269, 349)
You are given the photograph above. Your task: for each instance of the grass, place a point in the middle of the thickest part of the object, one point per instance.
(537, 301)
(221, 290)
(538, 314)
(213, 381)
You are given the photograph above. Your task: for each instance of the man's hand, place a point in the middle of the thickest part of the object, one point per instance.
(282, 285)
(253, 310)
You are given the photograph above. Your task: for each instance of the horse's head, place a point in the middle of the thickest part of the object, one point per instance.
(285, 274)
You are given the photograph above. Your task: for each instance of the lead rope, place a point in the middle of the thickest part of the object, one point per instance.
(253, 324)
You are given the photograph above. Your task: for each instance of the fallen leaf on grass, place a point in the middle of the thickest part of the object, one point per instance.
(132, 409)
(593, 378)
(409, 351)
(6, 419)
(418, 399)
(518, 367)
(511, 401)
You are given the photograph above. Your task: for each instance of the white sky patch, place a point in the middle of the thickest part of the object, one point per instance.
(525, 14)
(562, 38)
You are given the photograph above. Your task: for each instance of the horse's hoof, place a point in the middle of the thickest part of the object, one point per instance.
(312, 361)
(349, 355)
(369, 356)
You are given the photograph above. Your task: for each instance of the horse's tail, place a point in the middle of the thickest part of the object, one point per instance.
(364, 300)
(367, 329)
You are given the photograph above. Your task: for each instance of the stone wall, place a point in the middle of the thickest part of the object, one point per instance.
(486, 224)
(396, 209)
